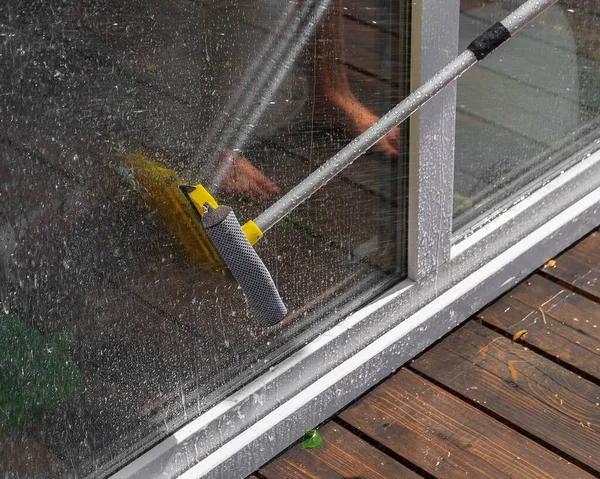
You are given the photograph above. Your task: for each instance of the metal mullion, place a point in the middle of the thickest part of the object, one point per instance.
(431, 170)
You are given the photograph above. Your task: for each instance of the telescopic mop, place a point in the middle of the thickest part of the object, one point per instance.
(234, 242)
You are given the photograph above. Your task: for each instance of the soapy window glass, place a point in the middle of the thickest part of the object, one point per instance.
(113, 331)
(525, 110)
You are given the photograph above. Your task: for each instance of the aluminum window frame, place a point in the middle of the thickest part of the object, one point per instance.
(447, 283)
(431, 169)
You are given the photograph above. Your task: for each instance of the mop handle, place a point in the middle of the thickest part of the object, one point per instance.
(482, 46)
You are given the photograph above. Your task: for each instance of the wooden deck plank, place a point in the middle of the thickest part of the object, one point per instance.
(552, 336)
(350, 456)
(446, 437)
(580, 266)
(572, 340)
(525, 388)
(561, 303)
(341, 453)
(297, 464)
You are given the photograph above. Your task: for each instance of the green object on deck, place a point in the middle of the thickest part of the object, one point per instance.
(36, 373)
(311, 439)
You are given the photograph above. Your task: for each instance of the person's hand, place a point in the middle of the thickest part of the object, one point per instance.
(244, 179)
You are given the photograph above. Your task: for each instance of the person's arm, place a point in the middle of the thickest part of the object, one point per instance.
(332, 89)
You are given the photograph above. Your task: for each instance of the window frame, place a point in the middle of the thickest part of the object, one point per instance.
(447, 282)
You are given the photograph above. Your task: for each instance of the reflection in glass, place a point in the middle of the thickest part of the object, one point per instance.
(525, 110)
(111, 338)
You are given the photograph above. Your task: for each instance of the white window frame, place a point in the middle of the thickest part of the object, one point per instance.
(446, 284)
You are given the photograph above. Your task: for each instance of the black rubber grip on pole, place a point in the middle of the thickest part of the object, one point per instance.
(225, 232)
(489, 40)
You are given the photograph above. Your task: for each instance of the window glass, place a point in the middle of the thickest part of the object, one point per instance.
(112, 332)
(526, 109)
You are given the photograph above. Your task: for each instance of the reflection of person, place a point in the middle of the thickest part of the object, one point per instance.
(332, 94)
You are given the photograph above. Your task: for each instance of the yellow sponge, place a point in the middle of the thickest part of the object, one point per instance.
(159, 187)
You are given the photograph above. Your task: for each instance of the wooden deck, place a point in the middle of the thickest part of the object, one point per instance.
(512, 393)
